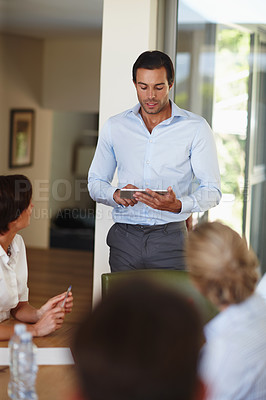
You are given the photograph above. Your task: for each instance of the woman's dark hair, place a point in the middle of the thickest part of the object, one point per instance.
(15, 197)
(154, 60)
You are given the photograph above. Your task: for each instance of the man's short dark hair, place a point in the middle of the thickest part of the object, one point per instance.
(15, 197)
(154, 60)
(140, 343)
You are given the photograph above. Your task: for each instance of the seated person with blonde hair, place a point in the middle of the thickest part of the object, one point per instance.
(233, 363)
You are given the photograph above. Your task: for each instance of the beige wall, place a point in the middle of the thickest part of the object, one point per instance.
(67, 190)
(72, 74)
(64, 73)
(21, 67)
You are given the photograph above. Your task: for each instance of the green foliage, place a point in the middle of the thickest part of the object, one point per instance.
(231, 93)
(181, 99)
(232, 62)
(234, 41)
(231, 149)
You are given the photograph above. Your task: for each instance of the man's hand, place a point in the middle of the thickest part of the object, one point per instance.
(166, 202)
(189, 223)
(125, 202)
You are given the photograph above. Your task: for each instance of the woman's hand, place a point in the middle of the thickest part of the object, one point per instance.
(57, 301)
(49, 322)
(48, 318)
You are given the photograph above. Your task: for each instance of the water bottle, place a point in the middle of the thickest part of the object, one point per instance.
(13, 348)
(26, 369)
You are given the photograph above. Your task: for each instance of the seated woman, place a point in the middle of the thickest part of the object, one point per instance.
(222, 267)
(15, 212)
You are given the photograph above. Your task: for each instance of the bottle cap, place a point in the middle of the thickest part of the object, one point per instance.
(26, 337)
(19, 329)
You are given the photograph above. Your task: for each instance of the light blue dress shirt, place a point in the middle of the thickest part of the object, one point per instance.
(179, 152)
(233, 362)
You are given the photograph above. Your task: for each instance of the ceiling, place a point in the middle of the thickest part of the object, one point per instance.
(228, 11)
(59, 18)
(50, 18)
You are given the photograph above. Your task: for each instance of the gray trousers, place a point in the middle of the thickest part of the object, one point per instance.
(146, 247)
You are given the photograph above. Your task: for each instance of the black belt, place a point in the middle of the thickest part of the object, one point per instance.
(171, 226)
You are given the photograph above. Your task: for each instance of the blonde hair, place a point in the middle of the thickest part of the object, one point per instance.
(220, 263)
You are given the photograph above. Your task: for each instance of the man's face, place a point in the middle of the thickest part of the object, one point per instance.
(152, 89)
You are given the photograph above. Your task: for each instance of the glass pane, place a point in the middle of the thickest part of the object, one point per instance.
(214, 72)
(256, 184)
(229, 120)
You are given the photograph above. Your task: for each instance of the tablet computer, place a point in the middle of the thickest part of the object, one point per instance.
(128, 193)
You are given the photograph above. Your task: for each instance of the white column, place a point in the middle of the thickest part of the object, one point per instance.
(129, 28)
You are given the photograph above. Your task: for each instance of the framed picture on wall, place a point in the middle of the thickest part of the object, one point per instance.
(21, 138)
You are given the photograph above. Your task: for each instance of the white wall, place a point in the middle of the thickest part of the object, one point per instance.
(72, 73)
(129, 28)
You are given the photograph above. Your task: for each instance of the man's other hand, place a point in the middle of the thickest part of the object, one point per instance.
(163, 202)
(125, 202)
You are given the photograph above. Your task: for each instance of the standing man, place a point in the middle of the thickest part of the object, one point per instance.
(154, 146)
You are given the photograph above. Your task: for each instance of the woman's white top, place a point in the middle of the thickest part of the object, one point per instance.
(233, 364)
(13, 277)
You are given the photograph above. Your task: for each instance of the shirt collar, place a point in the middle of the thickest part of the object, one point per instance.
(3, 255)
(176, 111)
(14, 251)
(134, 110)
(14, 247)
(2, 251)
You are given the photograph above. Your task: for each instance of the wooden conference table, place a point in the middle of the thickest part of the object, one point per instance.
(54, 382)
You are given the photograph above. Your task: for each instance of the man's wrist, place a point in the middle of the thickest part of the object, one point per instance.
(114, 195)
(178, 206)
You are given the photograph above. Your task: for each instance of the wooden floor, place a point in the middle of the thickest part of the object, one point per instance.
(51, 271)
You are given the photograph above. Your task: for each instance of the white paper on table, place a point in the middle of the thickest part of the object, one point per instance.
(45, 356)
(54, 356)
(4, 356)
